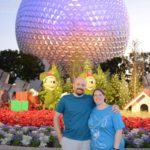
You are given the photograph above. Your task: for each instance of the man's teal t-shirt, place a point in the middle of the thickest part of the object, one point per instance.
(76, 112)
(103, 125)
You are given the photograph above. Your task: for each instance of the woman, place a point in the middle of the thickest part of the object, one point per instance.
(105, 125)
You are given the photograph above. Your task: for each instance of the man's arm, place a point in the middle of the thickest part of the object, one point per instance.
(115, 109)
(57, 126)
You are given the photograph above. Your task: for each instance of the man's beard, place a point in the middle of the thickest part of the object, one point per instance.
(79, 93)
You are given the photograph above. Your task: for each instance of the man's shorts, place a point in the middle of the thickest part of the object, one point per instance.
(69, 144)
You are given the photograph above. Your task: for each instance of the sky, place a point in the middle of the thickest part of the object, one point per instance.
(139, 18)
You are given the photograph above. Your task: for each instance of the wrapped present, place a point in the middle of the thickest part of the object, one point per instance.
(33, 102)
(33, 99)
(23, 95)
(17, 105)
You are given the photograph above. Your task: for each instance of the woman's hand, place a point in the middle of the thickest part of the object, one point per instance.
(60, 139)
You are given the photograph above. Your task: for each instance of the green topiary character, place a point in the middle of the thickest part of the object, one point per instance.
(51, 88)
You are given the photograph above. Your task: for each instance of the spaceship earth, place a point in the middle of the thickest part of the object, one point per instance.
(62, 31)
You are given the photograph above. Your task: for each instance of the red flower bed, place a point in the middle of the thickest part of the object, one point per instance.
(45, 118)
(136, 122)
(28, 118)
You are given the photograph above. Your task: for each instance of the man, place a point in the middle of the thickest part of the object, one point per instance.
(76, 109)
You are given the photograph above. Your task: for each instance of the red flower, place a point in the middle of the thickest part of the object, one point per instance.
(28, 118)
(137, 122)
(45, 118)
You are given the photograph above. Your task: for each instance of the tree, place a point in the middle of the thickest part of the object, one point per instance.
(76, 65)
(25, 66)
(123, 92)
(117, 91)
(146, 59)
(115, 65)
(113, 90)
(142, 61)
(135, 84)
(87, 68)
(101, 79)
(68, 86)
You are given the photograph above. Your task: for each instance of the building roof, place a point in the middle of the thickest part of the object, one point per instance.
(147, 91)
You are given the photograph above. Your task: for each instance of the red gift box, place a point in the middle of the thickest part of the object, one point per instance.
(33, 99)
(23, 95)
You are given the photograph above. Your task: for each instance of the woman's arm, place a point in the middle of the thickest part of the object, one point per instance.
(117, 140)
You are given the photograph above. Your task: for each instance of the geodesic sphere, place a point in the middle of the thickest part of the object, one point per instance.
(62, 31)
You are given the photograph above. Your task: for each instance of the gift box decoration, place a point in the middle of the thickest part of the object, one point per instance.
(17, 105)
(23, 95)
(33, 100)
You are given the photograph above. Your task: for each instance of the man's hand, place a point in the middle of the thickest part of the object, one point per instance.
(116, 109)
